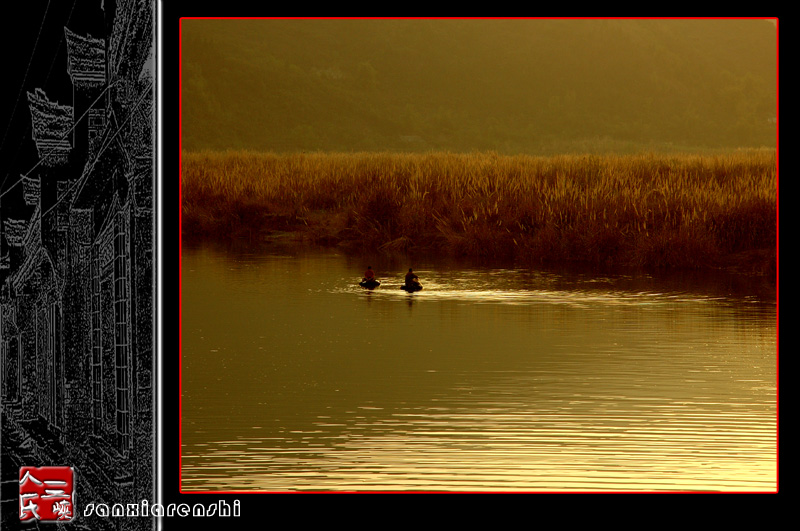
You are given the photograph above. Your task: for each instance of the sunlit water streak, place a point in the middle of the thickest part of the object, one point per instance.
(295, 378)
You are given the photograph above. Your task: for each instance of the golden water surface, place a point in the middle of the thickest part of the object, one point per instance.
(488, 380)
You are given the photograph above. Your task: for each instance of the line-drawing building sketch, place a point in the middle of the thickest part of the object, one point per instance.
(77, 274)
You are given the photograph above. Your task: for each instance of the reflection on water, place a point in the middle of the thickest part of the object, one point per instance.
(296, 378)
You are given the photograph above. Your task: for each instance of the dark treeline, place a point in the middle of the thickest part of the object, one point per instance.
(513, 86)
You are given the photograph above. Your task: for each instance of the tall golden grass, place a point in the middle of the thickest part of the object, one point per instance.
(683, 210)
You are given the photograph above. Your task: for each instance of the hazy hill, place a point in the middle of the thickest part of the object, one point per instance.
(533, 86)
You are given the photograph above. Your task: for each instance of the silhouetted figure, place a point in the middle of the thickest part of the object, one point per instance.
(369, 280)
(412, 281)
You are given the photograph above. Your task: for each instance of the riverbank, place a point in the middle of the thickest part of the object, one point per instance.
(671, 211)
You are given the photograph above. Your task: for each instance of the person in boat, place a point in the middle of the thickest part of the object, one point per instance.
(369, 274)
(412, 280)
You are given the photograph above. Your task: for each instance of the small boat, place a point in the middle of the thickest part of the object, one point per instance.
(416, 286)
(370, 283)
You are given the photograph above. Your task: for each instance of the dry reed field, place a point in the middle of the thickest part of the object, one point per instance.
(683, 210)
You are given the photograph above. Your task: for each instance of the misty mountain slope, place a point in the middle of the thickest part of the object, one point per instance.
(461, 85)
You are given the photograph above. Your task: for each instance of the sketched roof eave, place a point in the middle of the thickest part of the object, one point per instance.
(51, 124)
(86, 58)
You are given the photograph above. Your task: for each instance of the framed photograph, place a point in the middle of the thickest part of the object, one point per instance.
(247, 256)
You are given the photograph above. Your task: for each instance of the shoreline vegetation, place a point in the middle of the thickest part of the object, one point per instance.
(651, 210)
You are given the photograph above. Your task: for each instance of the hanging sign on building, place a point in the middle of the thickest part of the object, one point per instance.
(52, 124)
